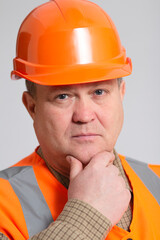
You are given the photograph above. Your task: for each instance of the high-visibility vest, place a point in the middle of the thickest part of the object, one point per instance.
(31, 198)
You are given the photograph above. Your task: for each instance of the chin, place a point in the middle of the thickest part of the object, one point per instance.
(85, 156)
(85, 160)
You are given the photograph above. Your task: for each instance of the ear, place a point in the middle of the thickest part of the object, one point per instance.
(122, 89)
(29, 103)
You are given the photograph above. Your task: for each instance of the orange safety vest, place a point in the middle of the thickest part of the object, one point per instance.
(31, 198)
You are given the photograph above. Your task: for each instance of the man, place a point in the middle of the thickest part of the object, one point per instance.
(71, 56)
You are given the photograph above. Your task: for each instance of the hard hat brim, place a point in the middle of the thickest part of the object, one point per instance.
(77, 74)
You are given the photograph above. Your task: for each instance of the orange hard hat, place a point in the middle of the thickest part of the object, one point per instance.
(68, 42)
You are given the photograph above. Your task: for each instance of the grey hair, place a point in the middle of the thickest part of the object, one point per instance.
(119, 80)
(31, 87)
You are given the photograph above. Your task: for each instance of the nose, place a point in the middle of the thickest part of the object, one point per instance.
(83, 111)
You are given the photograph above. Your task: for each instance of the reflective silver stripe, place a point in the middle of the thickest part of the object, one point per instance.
(35, 209)
(10, 172)
(148, 177)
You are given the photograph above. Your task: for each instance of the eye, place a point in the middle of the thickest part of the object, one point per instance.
(62, 96)
(99, 92)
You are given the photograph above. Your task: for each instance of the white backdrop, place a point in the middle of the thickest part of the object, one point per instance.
(138, 23)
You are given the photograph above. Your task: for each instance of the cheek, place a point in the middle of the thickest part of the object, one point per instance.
(50, 121)
(112, 117)
(118, 119)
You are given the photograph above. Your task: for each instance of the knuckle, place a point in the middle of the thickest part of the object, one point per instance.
(113, 169)
(104, 156)
(121, 181)
(119, 184)
(127, 195)
(109, 155)
(94, 169)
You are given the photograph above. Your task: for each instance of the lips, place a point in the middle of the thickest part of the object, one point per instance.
(86, 136)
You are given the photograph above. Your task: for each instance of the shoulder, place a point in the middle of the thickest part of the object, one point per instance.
(22, 167)
(140, 166)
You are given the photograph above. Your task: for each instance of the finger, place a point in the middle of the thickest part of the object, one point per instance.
(103, 158)
(75, 166)
(127, 195)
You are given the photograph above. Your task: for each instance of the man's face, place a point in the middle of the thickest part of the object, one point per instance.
(78, 120)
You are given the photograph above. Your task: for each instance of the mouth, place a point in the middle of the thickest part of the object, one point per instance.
(86, 137)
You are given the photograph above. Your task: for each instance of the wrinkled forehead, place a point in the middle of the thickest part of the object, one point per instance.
(79, 87)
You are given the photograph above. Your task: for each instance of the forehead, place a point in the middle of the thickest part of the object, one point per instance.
(78, 87)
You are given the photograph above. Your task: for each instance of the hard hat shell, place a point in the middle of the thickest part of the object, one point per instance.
(69, 42)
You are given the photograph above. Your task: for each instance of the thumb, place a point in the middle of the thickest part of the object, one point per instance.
(75, 166)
